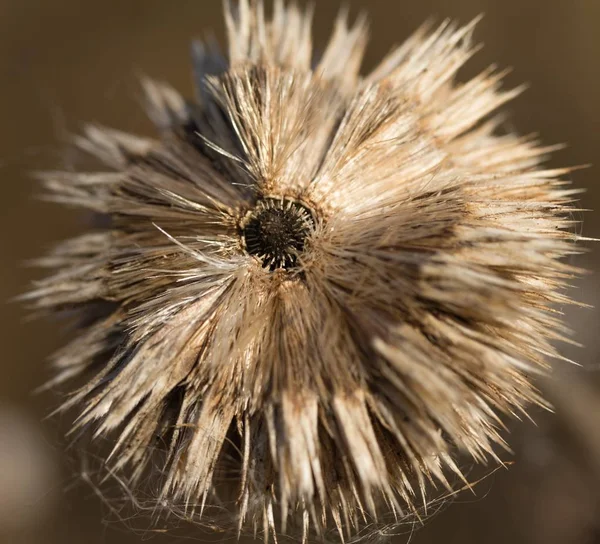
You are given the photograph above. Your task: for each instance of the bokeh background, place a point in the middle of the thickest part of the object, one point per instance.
(65, 62)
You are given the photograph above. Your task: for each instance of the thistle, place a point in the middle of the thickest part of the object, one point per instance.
(313, 289)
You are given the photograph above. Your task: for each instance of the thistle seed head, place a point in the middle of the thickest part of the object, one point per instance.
(312, 289)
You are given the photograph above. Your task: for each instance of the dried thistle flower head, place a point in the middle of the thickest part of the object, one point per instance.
(314, 288)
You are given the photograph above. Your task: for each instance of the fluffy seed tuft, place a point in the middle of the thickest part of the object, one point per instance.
(312, 289)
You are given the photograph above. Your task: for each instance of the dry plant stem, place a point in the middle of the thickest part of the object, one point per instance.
(313, 288)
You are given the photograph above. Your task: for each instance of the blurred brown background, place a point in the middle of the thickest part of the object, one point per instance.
(63, 62)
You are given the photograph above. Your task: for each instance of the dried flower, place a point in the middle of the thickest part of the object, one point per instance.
(314, 288)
